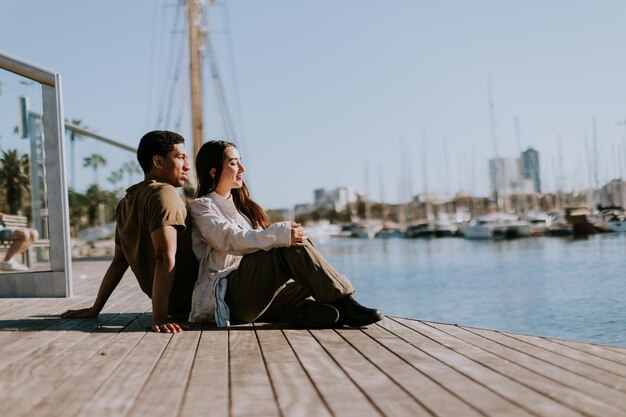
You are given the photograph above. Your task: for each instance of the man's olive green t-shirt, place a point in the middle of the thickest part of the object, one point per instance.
(146, 207)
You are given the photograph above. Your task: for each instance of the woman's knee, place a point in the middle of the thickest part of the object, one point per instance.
(21, 234)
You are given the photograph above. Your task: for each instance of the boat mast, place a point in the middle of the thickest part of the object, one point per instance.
(195, 74)
(497, 162)
(521, 189)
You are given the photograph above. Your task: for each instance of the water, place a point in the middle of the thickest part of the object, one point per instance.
(557, 287)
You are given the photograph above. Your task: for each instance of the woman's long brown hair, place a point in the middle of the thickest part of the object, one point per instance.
(211, 155)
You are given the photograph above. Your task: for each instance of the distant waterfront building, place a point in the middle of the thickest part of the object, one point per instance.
(613, 194)
(305, 208)
(337, 199)
(504, 176)
(530, 168)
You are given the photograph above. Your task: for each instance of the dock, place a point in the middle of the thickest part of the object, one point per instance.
(113, 366)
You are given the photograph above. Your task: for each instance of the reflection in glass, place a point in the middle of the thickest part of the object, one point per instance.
(23, 196)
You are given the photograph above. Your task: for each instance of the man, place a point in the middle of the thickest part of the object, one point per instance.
(21, 238)
(151, 236)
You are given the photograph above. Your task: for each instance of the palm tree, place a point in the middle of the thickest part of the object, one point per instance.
(131, 168)
(115, 178)
(97, 198)
(14, 178)
(78, 205)
(73, 137)
(94, 161)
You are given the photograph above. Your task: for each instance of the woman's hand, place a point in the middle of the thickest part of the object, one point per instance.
(298, 235)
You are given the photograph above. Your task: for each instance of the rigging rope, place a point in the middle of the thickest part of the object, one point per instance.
(174, 84)
(168, 71)
(238, 108)
(217, 81)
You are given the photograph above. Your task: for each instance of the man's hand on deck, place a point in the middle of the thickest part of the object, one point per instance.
(83, 313)
(166, 327)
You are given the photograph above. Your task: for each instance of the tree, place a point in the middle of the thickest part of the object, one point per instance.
(96, 198)
(94, 161)
(131, 168)
(14, 178)
(115, 178)
(78, 204)
(73, 137)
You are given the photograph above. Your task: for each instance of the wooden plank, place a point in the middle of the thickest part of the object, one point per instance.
(618, 349)
(37, 307)
(295, 392)
(162, 394)
(600, 376)
(382, 391)
(341, 395)
(479, 371)
(577, 355)
(579, 393)
(39, 389)
(37, 378)
(208, 387)
(43, 319)
(19, 345)
(454, 381)
(432, 395)
(37, 348)
(251, 389)
(118, 393)
(9, 304)
(607, 352)
(70, 395)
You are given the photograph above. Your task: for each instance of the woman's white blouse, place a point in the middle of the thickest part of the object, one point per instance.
(220, 237)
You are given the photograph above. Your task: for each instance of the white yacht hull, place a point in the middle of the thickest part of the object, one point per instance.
(619, 226)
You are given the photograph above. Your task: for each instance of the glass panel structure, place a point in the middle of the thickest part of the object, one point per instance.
(33, 193)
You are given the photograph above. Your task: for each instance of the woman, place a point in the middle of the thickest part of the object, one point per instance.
(246, 263)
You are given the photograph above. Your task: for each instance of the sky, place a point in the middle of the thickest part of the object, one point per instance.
(390, 98)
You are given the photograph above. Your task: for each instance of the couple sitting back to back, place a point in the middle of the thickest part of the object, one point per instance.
(224, 262)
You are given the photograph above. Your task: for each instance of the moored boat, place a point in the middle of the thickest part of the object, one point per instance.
(496, 226)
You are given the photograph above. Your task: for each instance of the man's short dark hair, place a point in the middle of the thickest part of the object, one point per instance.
(157, 142)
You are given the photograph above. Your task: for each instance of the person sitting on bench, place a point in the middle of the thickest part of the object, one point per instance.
(21, 238)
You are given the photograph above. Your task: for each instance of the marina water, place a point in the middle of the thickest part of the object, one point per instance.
(558, 287)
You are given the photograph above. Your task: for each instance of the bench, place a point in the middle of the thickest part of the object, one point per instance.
(13, 221)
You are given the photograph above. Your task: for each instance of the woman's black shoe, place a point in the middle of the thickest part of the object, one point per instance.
(312, 315)
(354, 314)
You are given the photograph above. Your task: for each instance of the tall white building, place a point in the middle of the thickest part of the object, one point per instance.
(507, 178)
(504, 175)
(337, 199)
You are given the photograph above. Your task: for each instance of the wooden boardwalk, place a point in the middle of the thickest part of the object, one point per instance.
(113, 367)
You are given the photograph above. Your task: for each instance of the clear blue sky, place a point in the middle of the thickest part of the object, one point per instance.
(326, 88)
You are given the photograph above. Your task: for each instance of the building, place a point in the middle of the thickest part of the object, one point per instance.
(530, 168)
(613, 194)
(504, 176)
(337, 199)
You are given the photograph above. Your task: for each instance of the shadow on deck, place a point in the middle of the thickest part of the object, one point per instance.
(400, 367)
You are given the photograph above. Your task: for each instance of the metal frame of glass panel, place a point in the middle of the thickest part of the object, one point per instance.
(57, 281)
